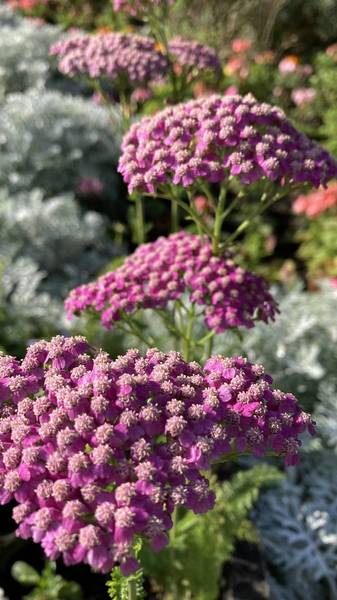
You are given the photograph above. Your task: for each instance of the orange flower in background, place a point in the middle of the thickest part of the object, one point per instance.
(159, 47)
(289, 64)
(317, 202)
(104, 29)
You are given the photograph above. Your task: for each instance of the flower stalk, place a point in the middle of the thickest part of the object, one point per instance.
(219, 218)
(132, 589)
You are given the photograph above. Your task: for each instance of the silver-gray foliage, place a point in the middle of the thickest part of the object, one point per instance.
(52, 141)
(68, 246)
(47, 246)
(24, 58)
(26, 312)
(297, 521)
(9, 17)
(297, 526)
(326, 411)
(300, 348)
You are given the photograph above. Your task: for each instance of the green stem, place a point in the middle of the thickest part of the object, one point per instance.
(174, 217)
(173, 81)
(174, 525)
(189, 209)
(186, 341)
(126, 110)
(140, 225)
(158, 27)
(207, 192)
(171, 326)
(209, 347)
(219, 217)
(242, 227)
(132, 589)
(135, 331)
(259, 210)
(197, 222)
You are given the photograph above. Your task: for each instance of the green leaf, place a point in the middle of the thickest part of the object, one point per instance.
(191, 566)
(24, 573)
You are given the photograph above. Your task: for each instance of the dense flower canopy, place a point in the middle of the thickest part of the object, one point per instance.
(214, 137)
(164, 270)
(111, 55)
(96, 451)
(317, 202)
(189, 53)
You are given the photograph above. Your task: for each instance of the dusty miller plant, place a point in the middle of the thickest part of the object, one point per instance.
(299, 348)
(297, 525)
(53, 141)
(46, 246)
(22, 70)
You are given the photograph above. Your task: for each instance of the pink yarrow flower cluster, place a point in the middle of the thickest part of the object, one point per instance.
(303, 96)
(97, 451)
(139, 8)
(189, 53)
(111, 55)
(214, 137)
(317, 202)
(162, 271)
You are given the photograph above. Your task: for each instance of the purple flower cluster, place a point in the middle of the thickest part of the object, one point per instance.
(96, 451)
(162, 271)
(217, 136)
(188, 53)
(138, 8)
(257, 418)
(112, 55)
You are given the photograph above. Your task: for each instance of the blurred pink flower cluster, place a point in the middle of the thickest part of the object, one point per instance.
(90, 186)
(189, 53)
(316, 202)
(332, 51)
(238, 62)
(291, 64)
(303, 96)
(111, 55)
(25, 4)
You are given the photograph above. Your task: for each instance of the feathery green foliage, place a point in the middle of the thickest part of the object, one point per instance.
(199, 545)
(48, 585)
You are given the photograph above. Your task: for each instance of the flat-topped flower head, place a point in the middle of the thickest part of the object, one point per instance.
(162, 271)
(192, 54)
(139, 8)
(111, 55)
(215, 137)
(89, 476)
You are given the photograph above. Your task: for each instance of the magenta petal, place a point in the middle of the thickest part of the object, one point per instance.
(159, 542)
